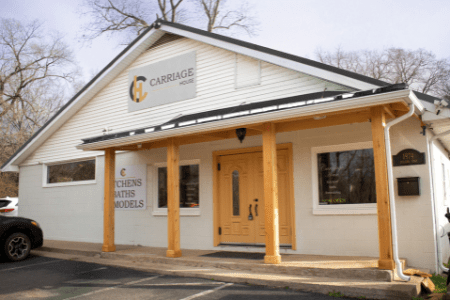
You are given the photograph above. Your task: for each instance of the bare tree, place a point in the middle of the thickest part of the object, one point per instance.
(169, 10)
(221, 17)
(28, 60)
(420, 69)
(35, 67)
(111, 16)
(130, 17)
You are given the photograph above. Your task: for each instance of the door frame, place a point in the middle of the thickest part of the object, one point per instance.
(216, 161)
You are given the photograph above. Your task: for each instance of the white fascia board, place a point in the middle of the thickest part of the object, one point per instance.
(360, 102)
(125, 60)
(10, 168)
(444, 114)
(417, 103)
(428, 106)
(276, 60)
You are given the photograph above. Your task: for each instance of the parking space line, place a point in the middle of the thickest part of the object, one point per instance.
(113, 287)
(42, 263)
(207, 292)
(193, 283)
(104, 268)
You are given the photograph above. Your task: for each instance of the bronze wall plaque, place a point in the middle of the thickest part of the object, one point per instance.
(408, 157)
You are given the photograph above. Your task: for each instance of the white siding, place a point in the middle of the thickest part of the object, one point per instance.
(441, 159)
(215, 89)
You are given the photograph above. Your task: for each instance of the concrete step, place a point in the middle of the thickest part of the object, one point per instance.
(356, 288)
(371, 274)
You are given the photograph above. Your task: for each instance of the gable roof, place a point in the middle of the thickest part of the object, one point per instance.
(153, 34)
(162, 24)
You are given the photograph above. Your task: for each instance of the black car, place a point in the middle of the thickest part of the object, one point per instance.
(18, 236)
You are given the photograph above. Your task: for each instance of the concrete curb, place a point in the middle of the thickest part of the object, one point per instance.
(347, 273)
(305, 279)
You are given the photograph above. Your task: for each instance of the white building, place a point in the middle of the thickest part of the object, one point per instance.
(164, 113)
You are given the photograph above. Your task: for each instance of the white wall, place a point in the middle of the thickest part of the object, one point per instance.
(441, 194)
(75, 212)
(414, 213)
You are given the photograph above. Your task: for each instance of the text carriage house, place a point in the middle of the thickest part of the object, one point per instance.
(192, 140)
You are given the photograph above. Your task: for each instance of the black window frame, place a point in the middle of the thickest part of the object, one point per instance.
(71, 164)
(182, 185)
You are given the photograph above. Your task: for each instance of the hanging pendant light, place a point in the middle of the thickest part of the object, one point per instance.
(240, 132)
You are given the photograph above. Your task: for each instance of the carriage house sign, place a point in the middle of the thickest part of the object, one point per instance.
(130, 191)
(408, 157)
(163, 82)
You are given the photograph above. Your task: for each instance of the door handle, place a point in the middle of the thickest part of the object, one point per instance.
(256, 209)
(250, 216)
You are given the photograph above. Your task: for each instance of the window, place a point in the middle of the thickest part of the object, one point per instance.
(70, 173)
(344, 179)
(189, 188)
(235, 185)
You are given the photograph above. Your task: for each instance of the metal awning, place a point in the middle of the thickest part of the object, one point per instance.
(245, 114)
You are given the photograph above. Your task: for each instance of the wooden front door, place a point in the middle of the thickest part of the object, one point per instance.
(241, 198)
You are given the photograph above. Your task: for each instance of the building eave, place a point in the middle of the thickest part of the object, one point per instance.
(318, 109)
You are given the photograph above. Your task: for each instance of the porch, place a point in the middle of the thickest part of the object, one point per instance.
(222, 125)
(351, 276)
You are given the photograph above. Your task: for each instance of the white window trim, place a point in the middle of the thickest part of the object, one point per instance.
(157, 211)
(338, 209)
(236, 85)
(70, 183)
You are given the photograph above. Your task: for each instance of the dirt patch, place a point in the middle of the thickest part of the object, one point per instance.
(434, 296)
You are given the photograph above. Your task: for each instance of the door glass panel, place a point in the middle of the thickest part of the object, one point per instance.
(235, 179)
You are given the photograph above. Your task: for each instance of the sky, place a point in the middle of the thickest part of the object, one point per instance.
(299, 27)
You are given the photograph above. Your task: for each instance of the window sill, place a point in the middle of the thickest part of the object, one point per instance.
(71, 183)
(345, 211)
(188, 212)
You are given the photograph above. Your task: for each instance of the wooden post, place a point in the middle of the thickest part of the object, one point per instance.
(271, 195)
(386, 261)
(108, 211)
(173, 199)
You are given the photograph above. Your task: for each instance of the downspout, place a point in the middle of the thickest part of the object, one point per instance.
(391, 189)
(436, 215)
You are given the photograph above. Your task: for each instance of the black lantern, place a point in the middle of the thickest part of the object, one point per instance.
(240, 132)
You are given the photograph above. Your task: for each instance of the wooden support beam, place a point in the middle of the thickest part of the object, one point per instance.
(218, 135)
(382, 188)
(271, 195)
(256, 127)
(173, 199)
(400, 106)
(333, 120)
(388, 110)
(108, 211)
(127, 148)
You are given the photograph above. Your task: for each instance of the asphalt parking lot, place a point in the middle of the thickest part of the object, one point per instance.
(49, 278)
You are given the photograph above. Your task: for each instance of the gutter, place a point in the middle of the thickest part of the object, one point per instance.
(439, 261)
(391, 189)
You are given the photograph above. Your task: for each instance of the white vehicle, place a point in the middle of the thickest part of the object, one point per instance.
(9, 206)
